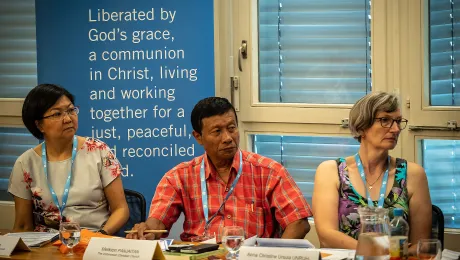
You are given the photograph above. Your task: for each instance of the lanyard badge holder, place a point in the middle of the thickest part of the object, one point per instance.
(65, 194)
(204, 199)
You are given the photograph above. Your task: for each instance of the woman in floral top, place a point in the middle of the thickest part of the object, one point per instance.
(95, 196)
(342, 185)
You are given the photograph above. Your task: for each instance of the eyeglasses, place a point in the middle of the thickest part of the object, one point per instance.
(387, 122)
(60, 115)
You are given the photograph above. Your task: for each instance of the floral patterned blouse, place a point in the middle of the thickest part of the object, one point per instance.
(95, 167)
(350, 199)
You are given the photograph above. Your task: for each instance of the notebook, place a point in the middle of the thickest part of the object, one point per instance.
(35, 239)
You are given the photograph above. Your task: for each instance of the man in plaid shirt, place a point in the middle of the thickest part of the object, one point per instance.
(237, 188)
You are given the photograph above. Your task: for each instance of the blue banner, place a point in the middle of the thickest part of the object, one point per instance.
(137, 68)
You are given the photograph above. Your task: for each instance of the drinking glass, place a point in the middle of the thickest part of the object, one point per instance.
(232, 239)
(429, 249)
(69, 233)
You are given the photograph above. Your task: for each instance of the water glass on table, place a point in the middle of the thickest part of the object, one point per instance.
(69, 234)
(429, 249)
(232, 239)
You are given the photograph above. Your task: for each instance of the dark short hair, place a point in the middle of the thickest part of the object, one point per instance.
(209, 107)
(38, 101)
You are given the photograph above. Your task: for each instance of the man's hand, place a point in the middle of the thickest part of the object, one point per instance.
(150, 224)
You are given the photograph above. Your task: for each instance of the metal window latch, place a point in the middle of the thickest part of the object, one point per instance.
(235, 82)
(452, 124)
(344, 123)
(235, 92)
(242, 53)
(408, 102)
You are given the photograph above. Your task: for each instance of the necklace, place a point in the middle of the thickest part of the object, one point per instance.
(370, 185)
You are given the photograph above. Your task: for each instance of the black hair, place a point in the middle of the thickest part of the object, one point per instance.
(38, 101)
(209, 107)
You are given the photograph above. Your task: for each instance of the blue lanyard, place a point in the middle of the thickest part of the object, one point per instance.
(65, 195)
(383, 187)
(204, 190)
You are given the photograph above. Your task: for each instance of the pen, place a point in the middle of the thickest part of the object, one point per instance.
(146, 231)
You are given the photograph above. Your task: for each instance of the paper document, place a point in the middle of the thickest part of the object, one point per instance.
(35, 239)
(338, 254)
(250, 241)
(450, 255)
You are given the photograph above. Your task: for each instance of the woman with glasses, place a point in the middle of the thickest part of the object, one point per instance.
(66, 177)
(370, 178)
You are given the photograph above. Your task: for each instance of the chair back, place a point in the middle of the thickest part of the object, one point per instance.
(136, 205)
(437, 227)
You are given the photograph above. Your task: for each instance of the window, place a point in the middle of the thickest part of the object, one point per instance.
(441, 160)
(13, 142)
(434, 97)
(18, 61)
(288, 91)
(444, 42)
(18, 75)
(314, 51)
(301, 155)
(308, 61)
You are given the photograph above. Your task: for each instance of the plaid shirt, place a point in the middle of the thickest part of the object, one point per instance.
(264, 196)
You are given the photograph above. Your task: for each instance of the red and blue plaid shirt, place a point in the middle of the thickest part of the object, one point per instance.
(265, 199)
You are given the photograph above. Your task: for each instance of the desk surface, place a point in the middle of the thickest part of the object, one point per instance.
(47, 252)
(50, 252)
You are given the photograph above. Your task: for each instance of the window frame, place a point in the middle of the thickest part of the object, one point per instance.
(247, 95)
(418, 71)
(397, 66)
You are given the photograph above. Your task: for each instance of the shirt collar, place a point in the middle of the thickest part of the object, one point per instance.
(210, 169)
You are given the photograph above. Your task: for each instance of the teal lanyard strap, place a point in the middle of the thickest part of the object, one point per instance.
(383, 187)
(65, 195)
(204, 190)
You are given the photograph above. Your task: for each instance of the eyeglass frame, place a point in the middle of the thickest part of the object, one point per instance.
(392, 122)
(75, 109)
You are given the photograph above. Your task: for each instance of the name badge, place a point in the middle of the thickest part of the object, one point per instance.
(272, 253)
(110, 248)
(9, 244)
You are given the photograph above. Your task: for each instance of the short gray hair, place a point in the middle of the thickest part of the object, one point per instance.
(363, 112)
